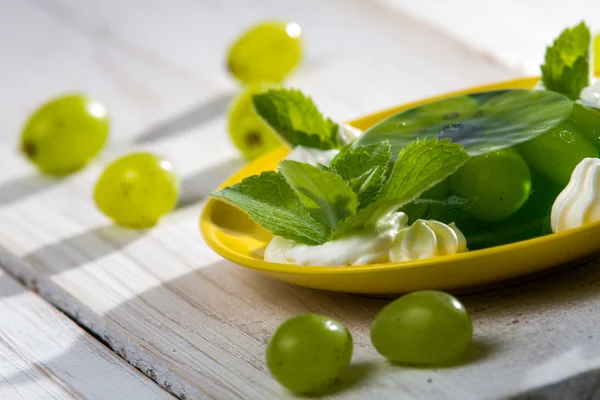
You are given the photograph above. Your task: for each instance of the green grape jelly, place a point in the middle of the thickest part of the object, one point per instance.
(497, 184)
(524, 145)
(586, 121)
(557, 152)
(446, 109)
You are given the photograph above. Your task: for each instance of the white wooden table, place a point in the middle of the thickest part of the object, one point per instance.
(161, 299)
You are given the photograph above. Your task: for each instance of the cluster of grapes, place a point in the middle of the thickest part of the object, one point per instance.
(260, 59)
(63, 135)
(309, 352)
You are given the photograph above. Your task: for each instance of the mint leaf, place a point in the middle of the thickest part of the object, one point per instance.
(324, 194)
(566, 69)
(364, 168)
(296, 119)
(325, 168)
(354, 163)
(368, 185)
(420, 165)
(271, 202)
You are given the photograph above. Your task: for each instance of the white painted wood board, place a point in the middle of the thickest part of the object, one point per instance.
(45, 355)
(512, 32)
(193, 322)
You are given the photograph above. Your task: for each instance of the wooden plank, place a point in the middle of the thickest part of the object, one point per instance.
(45, 355)
(512, 32)
(161, 298)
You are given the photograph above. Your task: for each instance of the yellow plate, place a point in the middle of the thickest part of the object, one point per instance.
(234, 236)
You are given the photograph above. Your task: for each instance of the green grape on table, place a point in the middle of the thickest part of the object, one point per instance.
(498, 183)
(137, 189)
(248, 132)
(65, 133)
(423, 328)
(308, 352)
(267, 52)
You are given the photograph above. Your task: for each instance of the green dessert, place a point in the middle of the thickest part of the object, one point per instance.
(524, 145)
(484, 168)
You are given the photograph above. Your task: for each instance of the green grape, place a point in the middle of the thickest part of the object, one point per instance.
(137, 189)
(65, 133)
(586, 121)
(498, 183)
(423, 328)
(308, 352)
(267, 52)
(556, 153)
(248, 132)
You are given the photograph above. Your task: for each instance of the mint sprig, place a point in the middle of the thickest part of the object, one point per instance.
(567, 64)
(295, 118)
(313, 205)
(270, 201)
(364, 168)
(420, 165)
(325, 195)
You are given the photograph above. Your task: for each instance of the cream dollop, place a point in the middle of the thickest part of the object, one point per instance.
(312, 156)
(579, 202)
(348, 132)
(590, 95)
(391, 240)
(355, 249)
(425, 239)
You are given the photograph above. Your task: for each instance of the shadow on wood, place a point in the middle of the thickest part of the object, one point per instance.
(21, 188)
(197, 116)
(83, 248)
(197, 186)
(219, 317)
(8, 287)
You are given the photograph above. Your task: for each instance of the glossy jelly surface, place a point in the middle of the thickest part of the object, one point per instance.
(524, 146)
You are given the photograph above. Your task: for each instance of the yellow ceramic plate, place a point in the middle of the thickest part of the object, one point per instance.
(234, 236)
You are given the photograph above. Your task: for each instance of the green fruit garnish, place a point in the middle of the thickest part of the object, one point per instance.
(497, 184)
(267, 52)
(423, 328)
(65, 133)
(137, 189)
(248, 132)
(556, 153)
(308, 352)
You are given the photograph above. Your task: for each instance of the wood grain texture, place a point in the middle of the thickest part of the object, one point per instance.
(512, 32)
(44, 355)
(191, 321)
